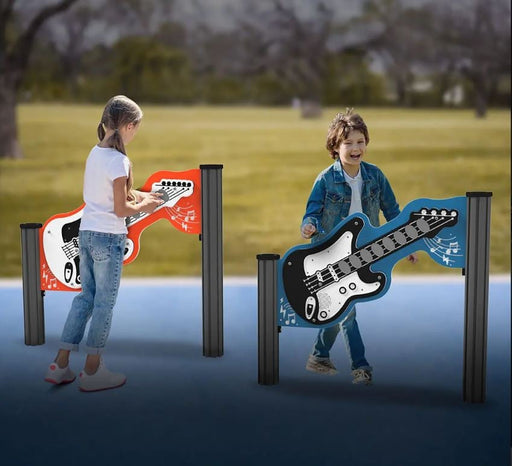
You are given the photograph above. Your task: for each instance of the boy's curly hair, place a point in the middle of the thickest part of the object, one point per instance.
(340, 128)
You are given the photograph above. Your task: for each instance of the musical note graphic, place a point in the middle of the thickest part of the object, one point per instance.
(444, 248)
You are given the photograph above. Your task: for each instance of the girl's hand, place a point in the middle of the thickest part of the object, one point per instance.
(150, 202)
(308, 230)
(413, 258)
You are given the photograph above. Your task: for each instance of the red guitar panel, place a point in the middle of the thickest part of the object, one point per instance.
(181, 192)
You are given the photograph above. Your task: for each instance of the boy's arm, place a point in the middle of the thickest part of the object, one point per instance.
(315, 206)
(388, 202)
(390, 208)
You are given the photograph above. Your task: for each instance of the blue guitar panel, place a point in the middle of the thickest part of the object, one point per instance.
(318, 284)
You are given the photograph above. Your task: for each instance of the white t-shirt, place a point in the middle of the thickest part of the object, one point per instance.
(103, 166)
(356, 184)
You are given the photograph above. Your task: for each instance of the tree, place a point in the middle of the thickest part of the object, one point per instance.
(394, 32)
(476, 35)
(16, 43)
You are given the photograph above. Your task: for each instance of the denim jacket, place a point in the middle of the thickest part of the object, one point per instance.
(329, 201)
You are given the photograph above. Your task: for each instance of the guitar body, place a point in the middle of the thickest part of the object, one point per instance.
(321, 281)
(327, 304)
(59, 247)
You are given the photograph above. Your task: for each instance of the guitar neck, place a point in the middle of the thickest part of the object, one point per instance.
(377, 250)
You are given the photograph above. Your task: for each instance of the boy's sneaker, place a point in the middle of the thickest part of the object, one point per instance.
(320, 365)
(58, 375)
(102, 379)
(362, 376)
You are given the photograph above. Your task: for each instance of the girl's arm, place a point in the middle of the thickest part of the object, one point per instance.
(125, 208)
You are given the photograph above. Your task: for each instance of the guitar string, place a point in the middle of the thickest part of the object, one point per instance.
(133, 218)
(378, 242)
(327, 278)
(71, 250)
(313, 283)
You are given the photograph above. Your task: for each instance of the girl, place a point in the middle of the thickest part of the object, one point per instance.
(349, 185)
(108, 197)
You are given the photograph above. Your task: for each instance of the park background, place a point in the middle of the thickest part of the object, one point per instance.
(253, 86)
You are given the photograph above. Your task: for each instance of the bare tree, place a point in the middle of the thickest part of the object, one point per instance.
(475, 34)
(389, 29)
(15, 49)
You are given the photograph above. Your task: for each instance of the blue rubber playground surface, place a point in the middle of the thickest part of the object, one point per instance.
(180, 408)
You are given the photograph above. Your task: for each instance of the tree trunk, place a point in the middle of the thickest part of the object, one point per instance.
(9, 146)
(481, 96)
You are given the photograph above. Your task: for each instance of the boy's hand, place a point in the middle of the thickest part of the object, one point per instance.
(413, 258)
(308, 230)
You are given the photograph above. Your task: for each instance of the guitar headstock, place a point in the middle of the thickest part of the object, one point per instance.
(431, 221)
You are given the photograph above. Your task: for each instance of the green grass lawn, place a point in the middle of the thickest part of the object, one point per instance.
(271, 158)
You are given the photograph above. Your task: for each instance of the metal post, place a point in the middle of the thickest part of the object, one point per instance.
(212, 257)
(268, 340)
(33, 303)
(476, 295)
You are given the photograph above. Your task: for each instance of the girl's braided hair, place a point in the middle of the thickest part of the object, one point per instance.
(119, 112)
(340, 127)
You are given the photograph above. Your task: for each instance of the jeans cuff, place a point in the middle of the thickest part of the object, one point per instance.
(93, 350)
(366, 368)
(68, 346)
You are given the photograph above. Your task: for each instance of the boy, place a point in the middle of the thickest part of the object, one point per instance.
(348, 186)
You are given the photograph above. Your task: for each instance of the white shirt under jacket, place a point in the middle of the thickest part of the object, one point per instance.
(103, 166)
(356, 184)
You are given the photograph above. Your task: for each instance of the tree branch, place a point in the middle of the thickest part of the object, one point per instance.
(21, 50)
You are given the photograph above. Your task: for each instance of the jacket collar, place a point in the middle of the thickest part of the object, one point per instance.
(339, 176)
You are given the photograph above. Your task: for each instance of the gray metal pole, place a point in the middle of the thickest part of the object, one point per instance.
(268, 339)
(33, 303)
(212, 258)
(476, 295)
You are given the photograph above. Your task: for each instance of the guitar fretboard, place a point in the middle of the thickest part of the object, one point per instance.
(380, 248)
(172, 190)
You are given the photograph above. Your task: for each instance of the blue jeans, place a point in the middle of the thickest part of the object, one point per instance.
(101, 262)
(353, 341)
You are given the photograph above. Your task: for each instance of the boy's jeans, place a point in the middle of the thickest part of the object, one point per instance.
(101, 262)
(353, 341)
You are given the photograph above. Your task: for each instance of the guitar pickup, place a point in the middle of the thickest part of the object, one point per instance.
(333, 272)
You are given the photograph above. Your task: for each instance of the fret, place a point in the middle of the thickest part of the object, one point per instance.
(375, 251)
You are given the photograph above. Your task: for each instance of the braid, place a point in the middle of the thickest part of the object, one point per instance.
(119, 112)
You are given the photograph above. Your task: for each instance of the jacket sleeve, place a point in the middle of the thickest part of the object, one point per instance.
(315, 205)
(388, 202)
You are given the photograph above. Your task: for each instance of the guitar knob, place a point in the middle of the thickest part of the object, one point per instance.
(343, 290)
(352, 286)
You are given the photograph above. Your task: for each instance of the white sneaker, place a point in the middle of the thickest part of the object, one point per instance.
(58, 375)
(320, 365)
(102, 379)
